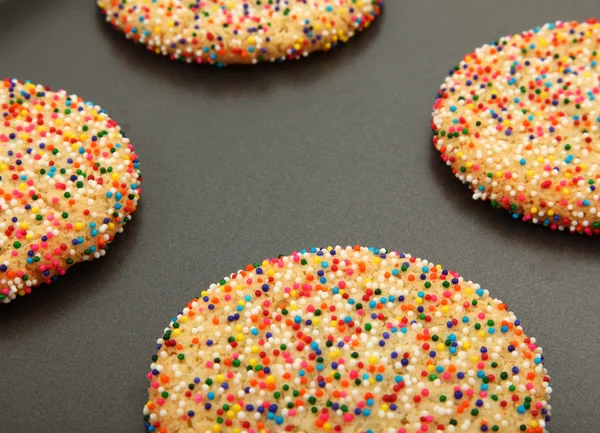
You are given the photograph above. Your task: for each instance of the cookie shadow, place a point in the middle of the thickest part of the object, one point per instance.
(521, 234)
(235, 79)
(49, 301)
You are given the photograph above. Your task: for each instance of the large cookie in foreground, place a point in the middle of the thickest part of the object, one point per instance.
(517, 120)
(239, 31)
(346, 340)
(69, 181)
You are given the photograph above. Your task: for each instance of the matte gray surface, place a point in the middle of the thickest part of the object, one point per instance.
(245, 163)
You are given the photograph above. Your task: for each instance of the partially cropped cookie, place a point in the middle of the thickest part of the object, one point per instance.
(239, 31)
(346, 340)
(518, 121)
(69, 181)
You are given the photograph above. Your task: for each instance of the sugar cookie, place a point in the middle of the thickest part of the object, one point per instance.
(239, 31)
(69, 181)
(518, 120)
(346, 340)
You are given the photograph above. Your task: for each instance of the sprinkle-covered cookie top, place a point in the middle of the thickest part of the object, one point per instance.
(346, 340)
(69, 180)
(239, 31)
(518, 121)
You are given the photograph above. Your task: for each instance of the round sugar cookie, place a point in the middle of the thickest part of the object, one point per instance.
(517, 120)
(69, 181)
(350, 340)
(239, 31)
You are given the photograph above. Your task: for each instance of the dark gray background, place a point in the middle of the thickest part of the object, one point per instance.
(244, 163)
